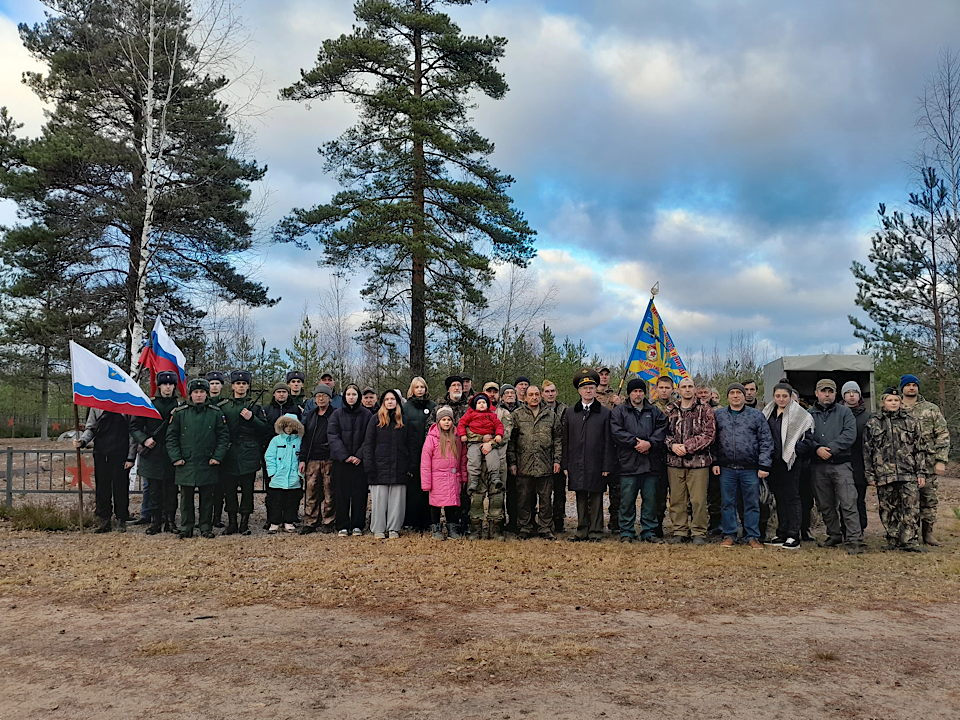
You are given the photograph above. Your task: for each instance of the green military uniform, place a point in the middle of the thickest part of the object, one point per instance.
(535, 447)
(559, 479)
(492, 486)
(154, 463)
(936, 436)
(197, 434)
(894, 455)
(239, 468)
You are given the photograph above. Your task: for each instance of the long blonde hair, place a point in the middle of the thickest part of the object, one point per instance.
(383, 414)
(448, 440)
(415, 381)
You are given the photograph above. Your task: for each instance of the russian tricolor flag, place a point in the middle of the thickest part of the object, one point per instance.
(101, 384)
(160, 354)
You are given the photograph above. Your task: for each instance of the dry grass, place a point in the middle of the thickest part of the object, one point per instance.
(519, 656)
(45, 515)
(166, 647)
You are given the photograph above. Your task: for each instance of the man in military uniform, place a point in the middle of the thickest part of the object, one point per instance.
(295, 380)
(663, 396)
(197, 441)
(216, 380)
(248, 425)
(894, 459)
(155, 467)
(936, 436)
(609, 398)
(533, 454)
(551, 401)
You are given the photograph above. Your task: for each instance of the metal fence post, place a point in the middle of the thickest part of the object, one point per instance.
(9, 477)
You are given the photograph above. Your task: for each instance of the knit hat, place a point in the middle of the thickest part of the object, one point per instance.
(521, 379)
(480, 396)
(637, 384)
(451, 379)
(444, 411)
(325, 389)
(907, 379)
(281, 386)
(735, 386)
(850, 386)
(505, 387)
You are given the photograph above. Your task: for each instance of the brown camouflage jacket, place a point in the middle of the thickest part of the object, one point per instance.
(608, 398)
(933, 426)
(695, 428)
(894, 449)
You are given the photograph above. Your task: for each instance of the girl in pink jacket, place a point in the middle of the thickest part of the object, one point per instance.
(443, 471)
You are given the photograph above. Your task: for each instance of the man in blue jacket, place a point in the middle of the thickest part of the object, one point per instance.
(744, 452)
(639, 431)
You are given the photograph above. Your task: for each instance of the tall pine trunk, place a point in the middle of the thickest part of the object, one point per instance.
(418, 305)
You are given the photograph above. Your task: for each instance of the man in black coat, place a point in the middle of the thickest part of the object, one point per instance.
(113, 457)
(639, 431)
(588, 455)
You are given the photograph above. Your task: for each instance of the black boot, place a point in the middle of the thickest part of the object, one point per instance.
(170, 524)
(105, 526)
(244, 524)
(232, 528)
(156, 526)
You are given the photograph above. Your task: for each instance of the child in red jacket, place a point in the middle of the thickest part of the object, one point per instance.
(478, 426)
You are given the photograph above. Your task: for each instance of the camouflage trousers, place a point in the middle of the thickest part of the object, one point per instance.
(929, 500)
(900, 511)
(485, 489)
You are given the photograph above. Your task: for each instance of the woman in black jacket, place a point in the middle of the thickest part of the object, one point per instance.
(346, 432)
(416, 415)
(387, 449)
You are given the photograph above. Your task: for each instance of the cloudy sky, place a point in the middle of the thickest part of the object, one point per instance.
(734, 151)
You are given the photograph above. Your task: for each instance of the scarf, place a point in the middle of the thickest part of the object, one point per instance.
(796, 421)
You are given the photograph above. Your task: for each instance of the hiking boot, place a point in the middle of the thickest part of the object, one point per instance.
(928, 538)
(853, 548)
(496, 531)
(121, 526)
(831, 542)
(231, 528)
(913, 548)
(653, 540)
(105, 526)
(678, 539)
(244, 525)
(184, 535)
(307, 529)
(697, 540)
(154, 529)
(208, 534)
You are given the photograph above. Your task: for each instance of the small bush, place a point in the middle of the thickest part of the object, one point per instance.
(47, 516)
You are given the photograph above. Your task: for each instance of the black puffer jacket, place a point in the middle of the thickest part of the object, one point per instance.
(347, 430)
(386, 453)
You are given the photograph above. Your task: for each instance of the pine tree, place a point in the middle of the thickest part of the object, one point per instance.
(422, 210)
(305, 353)
(137, 155)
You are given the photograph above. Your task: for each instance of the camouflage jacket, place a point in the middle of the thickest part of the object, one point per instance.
(893, 448)
(695, 428)
(933, 426)
(536, 442)
(608, 398)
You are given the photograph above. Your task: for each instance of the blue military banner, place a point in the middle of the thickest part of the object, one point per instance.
(654, 353)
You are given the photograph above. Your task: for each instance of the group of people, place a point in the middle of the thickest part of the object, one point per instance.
(477, 464)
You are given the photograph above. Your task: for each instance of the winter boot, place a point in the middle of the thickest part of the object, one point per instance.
(156, 526)
(105, 526)
(170, 524)
(928, 538)
(231, 528)
(496, 531)
(476, 529)
(453, 531)
(244, 524)
(437, 531)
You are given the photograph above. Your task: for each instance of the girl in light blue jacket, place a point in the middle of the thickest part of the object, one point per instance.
(282, 469)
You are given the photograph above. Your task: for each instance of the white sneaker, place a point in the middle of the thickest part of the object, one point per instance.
(344, 533)
(289, 527)
(273, 529)
(357, 531)
(379, 536)
(394, 535)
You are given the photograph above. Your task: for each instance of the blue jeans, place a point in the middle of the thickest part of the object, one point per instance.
(747, 483)
(644, 484)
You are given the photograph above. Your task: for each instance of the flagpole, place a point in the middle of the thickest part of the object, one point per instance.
(76, 426)
(626, 368)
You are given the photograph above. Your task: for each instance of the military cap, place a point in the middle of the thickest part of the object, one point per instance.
(368, 391)
(890, 391)
(215, 375)
(464, 376)
(198, 384)
(326, 375)
(167, 377)
(296, 375)
(491, 386)
(826, 383)
(586, 376)
(603, 369)
(240, 376)
(451, 379)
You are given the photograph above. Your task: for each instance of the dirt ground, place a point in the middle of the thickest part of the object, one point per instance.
(318, 626)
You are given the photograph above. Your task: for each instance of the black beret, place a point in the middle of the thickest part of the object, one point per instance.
(296, 375)
(586, 376)
(167, 377)
(637, 384)
(240, 376)
(215, 375)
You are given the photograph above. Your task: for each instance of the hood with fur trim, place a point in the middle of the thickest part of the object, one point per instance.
(288, 422)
